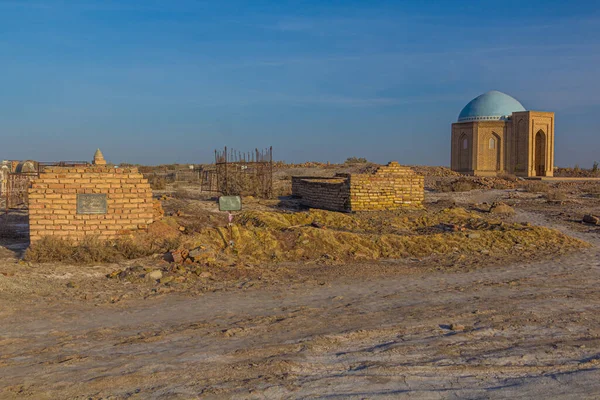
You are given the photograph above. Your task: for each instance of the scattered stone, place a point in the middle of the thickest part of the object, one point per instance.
(113, 274)
(451, 227)
(232, 331)
(174, 256)
(317, 224)
(155, 275)
(501, 208)
(71, 285)
(205, 275)
(447, 203)
(199, 254)
(474, 235)
(591, 219)
(158, 210)
(180, 269)
(457, 327)
(166, 279)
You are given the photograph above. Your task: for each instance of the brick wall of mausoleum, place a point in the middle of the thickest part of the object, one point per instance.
(75, 202)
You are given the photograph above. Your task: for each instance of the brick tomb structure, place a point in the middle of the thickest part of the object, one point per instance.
(75, 202)
(494, 134)
(391, 187)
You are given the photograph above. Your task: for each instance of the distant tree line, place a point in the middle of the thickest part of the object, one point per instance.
(356, 160)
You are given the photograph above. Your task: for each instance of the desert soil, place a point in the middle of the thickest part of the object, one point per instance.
(392, 329)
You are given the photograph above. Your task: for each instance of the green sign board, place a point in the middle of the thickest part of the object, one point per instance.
(230, 203)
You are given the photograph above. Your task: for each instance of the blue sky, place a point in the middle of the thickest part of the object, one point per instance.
(169, 81)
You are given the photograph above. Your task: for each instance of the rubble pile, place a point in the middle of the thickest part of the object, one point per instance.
(270, 236)
(157, 210)
(466, 183)
(308, 164)
(438, 172)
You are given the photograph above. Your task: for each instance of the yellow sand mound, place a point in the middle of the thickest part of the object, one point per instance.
(279, 236)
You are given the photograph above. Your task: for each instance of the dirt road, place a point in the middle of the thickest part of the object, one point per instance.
(515, 331)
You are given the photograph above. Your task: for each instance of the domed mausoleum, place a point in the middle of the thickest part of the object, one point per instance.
(495, 133)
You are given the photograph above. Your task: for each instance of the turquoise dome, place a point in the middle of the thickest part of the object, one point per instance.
(490, 106)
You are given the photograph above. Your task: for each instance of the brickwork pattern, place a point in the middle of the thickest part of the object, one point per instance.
(53, 203)
(326, 193)
(391, 187)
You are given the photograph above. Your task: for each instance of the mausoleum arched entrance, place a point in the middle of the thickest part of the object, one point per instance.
(464, 153)
(491, 151)
(539, 154)
(3, 178)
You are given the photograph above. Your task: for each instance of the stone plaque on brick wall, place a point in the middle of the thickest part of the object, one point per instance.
(91, 204)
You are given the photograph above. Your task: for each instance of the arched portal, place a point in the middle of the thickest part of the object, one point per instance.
(464, 153)
(25, 166)
(492, 146)
(3, 177)
(540, 153)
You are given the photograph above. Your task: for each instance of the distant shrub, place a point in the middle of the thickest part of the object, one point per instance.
(556, 195)
(93, 250)
(536, 187)
(157, 183)
(459, 185)
(444, 187)
(356, 160)
(593, 190)
(184, 194)
(462, 186)
(508, 177)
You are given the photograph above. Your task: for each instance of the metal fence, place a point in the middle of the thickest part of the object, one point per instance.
(14, 189)
(245, 173)
(208, 180)
(192, 176)
(17, 189)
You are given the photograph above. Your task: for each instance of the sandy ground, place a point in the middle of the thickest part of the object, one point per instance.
(504, 331)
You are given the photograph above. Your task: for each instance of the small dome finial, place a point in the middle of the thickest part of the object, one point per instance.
(99, 158)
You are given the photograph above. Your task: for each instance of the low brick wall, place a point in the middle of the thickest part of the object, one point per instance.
(326, 193)
(391, 187)
(54, 196)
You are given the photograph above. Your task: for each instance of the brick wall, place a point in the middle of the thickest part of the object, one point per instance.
(53, 202)
(391, 187)
(326, 193)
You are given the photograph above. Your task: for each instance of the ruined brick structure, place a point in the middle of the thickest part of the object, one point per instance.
(495, 134)
(391, 187)
(327, 193)
(75, 202)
